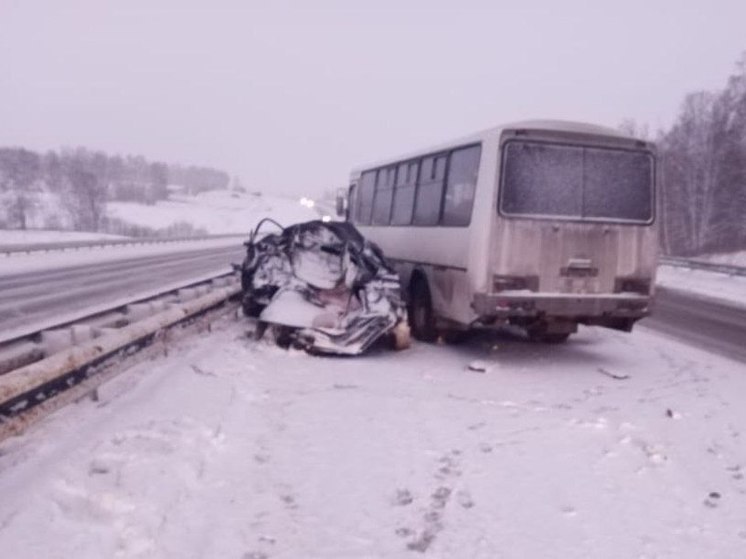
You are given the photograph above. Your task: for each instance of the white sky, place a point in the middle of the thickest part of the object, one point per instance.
(291, 97)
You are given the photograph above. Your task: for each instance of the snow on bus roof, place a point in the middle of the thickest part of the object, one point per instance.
(495, 131)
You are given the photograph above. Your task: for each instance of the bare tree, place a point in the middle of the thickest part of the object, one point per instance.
(632, 128)
(689, 169)
(704, 171)
(87, 198)
(19, 177)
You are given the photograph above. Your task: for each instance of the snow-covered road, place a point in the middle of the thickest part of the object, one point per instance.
(236, 449)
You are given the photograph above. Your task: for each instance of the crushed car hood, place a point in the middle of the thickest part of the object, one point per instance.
(323, 287)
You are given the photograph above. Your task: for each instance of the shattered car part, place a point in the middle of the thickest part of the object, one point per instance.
(322, 287)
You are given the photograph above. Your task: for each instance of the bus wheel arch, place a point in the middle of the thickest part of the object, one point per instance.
(421, 315)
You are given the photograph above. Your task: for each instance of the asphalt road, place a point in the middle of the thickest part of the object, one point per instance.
(701, 322)
(34, 297)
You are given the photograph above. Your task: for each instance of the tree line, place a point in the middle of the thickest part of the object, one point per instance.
(84, 181)
(702, 171)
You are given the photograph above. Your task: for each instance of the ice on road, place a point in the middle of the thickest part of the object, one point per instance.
(613, 445)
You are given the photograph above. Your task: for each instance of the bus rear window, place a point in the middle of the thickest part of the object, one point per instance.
(576, 182)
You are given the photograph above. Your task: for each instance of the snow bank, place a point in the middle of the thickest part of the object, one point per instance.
(731, 258)
(713, 285)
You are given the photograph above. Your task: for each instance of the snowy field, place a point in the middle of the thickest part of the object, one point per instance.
(216, 211)
(232, 448)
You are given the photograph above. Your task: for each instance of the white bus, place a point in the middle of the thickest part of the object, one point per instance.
(542, 224)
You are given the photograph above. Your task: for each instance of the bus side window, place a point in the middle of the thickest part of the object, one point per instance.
(406, 179)
(353, 209)
(384, 194)
(430, 190)
(462, 180)
(365, 197)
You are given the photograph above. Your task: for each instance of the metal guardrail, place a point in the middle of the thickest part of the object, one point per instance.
(34, 372)
(28, 248)
(701, 265)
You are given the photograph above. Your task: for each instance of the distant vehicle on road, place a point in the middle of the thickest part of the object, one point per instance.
(539, 224)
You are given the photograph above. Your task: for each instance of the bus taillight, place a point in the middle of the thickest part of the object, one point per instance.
(515, 283)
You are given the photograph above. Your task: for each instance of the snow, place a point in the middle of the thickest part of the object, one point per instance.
(712, 285)
(731, 258)
(217, 211)
(235, 448)
(30, 236)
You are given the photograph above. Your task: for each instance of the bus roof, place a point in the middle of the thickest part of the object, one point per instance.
(495, 131)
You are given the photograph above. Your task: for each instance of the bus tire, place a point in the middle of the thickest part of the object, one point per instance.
(421, 317)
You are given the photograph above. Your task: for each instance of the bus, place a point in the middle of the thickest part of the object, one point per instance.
(542, 225)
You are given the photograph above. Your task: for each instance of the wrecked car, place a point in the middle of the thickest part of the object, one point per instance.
(322, 287)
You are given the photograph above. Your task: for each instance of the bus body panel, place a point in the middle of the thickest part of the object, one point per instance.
(587, 271)
(442, 256)
(573, 257)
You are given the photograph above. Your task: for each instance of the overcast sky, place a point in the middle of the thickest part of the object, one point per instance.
(290, 97)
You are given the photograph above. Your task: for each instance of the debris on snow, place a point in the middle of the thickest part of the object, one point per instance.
(611, 374)
(478, 366)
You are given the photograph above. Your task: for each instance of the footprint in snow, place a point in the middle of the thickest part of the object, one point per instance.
(423, 542)
(569, 511)
(712, 500)
(440, 496)
(289, 501)
(403, 497)
(485, 447)
(735, 472)
(464, 499)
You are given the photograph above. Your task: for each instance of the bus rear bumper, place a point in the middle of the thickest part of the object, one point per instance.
(576, 306)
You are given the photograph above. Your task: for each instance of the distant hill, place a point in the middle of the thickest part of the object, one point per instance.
(71, 189)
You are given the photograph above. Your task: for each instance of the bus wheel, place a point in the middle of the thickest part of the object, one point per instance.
(421, 312)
